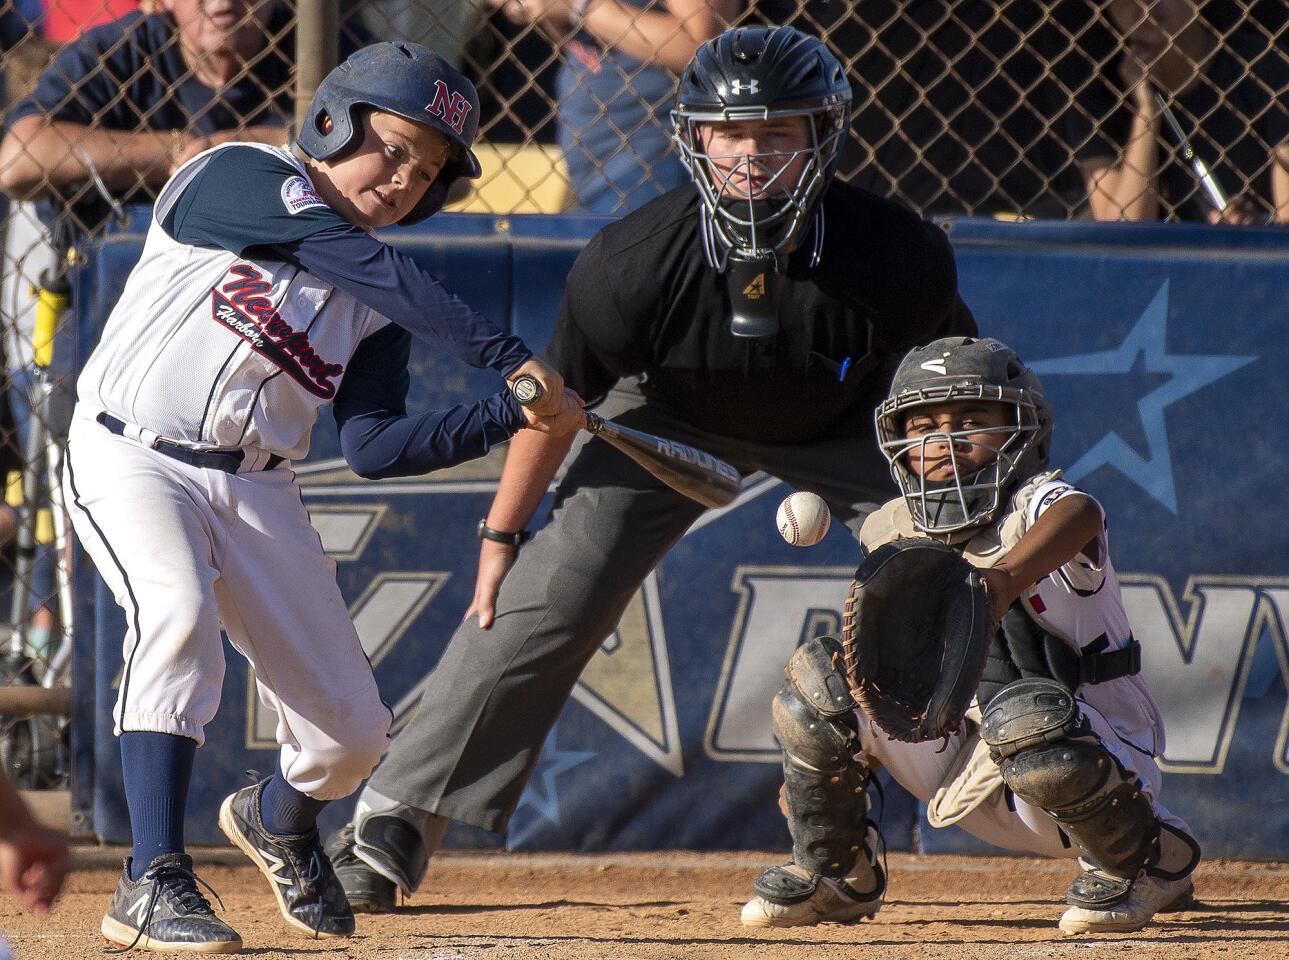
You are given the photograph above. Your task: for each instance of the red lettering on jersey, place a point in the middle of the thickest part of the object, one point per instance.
(251, 316)
(449, 106)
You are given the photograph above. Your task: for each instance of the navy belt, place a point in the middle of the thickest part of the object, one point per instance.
(229, 461)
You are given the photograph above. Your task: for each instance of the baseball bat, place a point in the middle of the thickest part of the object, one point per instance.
(1208, 183)
(688, 470)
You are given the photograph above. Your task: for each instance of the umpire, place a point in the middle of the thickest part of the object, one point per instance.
(759, 318)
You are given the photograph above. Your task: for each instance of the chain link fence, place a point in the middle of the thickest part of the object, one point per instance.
(1173, 110)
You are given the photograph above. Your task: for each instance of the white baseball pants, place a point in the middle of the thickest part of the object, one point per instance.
(1003, 820)
(185, 548)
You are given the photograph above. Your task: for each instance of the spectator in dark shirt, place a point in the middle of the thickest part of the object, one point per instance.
(138, 96)
(1226, 92)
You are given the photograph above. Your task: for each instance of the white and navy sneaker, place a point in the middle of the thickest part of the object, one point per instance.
(789, 896)
(163, 910)
(299, 873)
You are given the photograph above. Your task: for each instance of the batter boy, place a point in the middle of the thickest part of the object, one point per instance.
(261, 295)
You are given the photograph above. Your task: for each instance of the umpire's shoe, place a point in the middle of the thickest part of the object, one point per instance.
(300, 875)
(790, 896)
(367, 890)
(163, 910)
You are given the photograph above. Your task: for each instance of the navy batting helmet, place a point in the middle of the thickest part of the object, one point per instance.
(411, 81)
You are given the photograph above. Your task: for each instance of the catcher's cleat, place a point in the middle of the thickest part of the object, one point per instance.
(164, 910)
(789, 896)
(1133, 909)
(299, 873)
(367, 890)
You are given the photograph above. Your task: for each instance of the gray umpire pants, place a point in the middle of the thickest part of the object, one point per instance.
(473, 740)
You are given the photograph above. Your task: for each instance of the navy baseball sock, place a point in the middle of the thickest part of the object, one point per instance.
(157, 768)
(284, 809)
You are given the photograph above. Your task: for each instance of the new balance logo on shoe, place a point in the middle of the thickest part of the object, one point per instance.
(308, 895)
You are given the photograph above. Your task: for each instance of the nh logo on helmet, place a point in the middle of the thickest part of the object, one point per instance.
(750, 87)
(448, 105)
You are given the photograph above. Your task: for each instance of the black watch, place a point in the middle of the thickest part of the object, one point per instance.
(497, 536)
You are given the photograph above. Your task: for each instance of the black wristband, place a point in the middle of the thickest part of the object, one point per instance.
(496, 536)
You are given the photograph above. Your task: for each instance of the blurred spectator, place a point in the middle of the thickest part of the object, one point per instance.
(33, 861)
(952, 99)
(26, 56)
(138, 96)
(65, 20)
(442, 25)
(616, 86)
(1227, 93)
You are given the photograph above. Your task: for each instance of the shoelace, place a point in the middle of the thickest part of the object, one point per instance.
(312, 875)
(187, 896)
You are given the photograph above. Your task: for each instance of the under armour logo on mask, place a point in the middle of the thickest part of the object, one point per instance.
(750, 87)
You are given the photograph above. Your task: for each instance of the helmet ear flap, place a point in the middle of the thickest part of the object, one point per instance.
(330, 129)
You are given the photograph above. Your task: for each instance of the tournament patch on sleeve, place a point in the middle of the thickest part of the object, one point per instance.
(298, 195)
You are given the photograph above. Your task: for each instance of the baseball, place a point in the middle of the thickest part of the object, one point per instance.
(803, 519)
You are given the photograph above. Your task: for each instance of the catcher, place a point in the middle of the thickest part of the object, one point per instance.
(987, 662)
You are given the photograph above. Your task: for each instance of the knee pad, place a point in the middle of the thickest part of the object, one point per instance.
(825, 786)
(1049, 757)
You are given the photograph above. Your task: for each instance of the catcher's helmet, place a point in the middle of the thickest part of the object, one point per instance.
(411, 81)
(758, 73)
(965, 368)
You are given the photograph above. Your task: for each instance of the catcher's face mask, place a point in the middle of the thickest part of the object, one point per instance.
(955, 450)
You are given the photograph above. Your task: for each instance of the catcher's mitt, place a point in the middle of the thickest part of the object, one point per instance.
(915, 636)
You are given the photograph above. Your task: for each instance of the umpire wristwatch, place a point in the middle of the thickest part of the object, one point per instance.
(497, 536)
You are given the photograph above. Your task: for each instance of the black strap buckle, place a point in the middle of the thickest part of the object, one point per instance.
(1111, 665)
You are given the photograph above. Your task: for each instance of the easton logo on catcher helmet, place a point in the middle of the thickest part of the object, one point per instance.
(449, 106)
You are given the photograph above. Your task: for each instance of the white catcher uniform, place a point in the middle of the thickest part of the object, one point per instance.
(205, 385)
(1079, 602)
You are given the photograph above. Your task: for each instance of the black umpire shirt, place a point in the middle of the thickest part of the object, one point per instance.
(641, 301)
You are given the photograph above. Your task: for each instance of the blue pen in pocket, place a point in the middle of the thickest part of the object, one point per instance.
(841, 374)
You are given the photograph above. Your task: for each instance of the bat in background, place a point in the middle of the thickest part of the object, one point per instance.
(688, 470)
(1208, 183)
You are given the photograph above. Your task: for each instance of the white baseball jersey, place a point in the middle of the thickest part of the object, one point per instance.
(252, 295)
(212, 349)
(1079, 602)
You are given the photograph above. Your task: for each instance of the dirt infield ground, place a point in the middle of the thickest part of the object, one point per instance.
(685, 906)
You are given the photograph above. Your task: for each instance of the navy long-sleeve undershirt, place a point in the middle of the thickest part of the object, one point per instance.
(379, 439)
(237, 203)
